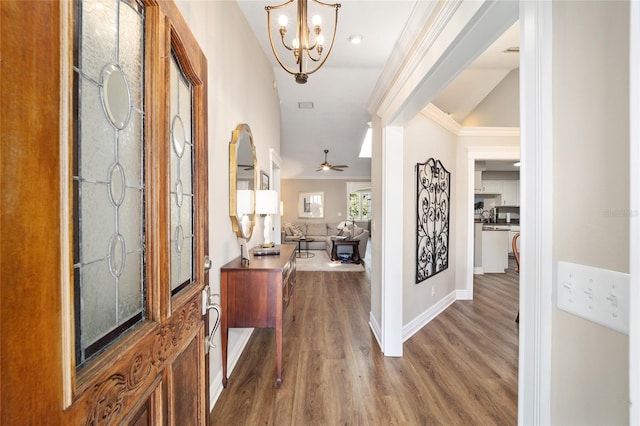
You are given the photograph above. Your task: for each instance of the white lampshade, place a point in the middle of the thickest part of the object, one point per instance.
(244, 202)
(266, 202)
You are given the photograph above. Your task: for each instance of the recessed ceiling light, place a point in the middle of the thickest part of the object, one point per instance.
(305, 105)
(355, 38)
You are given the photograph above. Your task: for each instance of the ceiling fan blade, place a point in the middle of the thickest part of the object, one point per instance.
(341, 165)
(336, 169)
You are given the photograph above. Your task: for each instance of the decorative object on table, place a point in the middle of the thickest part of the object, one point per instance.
(311, 204)
(304, 48)
(264, 181)
(432, 236)
(326, 166)
(267, 204)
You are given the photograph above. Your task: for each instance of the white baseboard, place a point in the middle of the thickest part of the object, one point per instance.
(478, 270)
(215, 384)
(464, 295)
(423, 319)
(375, 328)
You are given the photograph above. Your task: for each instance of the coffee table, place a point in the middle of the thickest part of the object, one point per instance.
(355, 253)
(304, 254)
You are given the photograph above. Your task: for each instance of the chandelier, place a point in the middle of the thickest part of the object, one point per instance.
(303, 47)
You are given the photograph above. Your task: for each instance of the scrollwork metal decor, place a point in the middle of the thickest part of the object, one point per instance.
(432, 236)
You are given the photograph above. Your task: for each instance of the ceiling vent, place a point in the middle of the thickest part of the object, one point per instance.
(514, 49)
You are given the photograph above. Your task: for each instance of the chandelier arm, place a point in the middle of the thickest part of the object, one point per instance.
(273, 48)
(333, 38)
(336, 5)
(278, 6)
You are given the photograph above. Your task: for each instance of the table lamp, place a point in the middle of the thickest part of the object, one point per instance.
(267, 204)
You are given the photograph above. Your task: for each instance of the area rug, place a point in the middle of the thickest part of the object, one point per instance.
(321, 262)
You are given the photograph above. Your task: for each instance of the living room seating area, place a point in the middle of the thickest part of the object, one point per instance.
(323, 232)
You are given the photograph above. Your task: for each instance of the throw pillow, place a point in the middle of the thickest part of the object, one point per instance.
(287, 229)
(357, 230)
(297, 231)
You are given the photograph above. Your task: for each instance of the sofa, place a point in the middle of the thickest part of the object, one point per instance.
(322, 232)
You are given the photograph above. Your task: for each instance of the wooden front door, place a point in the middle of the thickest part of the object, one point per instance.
(104, 214)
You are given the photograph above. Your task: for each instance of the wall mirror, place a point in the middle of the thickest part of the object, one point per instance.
(242, 181)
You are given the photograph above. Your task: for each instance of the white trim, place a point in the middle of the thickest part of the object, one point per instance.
(478, 270)
(441, 118)
(392, 213)
(463, 295)
(490, 131)
(480, 153)
(634, 206)
(536, 213)
(375, 329)
(215, 384)
(415, 325)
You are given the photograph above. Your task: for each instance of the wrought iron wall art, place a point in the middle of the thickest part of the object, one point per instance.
(432, 236)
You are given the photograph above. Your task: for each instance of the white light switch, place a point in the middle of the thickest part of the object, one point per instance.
(596, 294)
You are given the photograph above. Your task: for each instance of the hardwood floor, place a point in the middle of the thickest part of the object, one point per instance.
(461, 368)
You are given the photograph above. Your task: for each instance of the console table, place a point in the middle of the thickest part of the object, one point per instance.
(256, 296)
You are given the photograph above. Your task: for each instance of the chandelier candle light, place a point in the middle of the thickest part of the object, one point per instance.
(304, 49)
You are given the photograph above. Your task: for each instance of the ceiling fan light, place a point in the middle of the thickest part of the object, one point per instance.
(325, 167)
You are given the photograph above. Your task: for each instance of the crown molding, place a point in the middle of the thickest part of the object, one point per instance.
(490, 131)
(441, 118)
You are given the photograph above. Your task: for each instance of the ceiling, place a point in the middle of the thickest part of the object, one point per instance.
(340, 90)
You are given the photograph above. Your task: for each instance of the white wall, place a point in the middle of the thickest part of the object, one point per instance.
(589, 381)
(240, 91)
(501, 107)
(424, 139)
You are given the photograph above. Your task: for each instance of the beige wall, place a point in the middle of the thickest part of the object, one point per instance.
(589, 380)
(424, 139)
(335, 198)
(240, 91)
(501, 107)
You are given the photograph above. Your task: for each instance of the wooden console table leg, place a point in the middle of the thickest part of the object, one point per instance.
(279, 344)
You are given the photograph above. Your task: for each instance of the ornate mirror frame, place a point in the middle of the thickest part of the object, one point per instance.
(242, 159)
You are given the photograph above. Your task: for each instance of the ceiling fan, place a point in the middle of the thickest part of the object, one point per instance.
(327, 166)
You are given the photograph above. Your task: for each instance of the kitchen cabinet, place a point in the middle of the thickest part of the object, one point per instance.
(510, 192)
(492, 186)
(477, 182)
(494, 251)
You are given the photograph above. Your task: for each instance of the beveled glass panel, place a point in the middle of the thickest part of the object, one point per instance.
(116, 99)
(108, 172)
(130, 150)
(98, 36)
(98, 302)
(98, 154)
(179, 143)
(130, 292)
(130, 54)
(98, 222)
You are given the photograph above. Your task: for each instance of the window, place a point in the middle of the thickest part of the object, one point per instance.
(360, 205)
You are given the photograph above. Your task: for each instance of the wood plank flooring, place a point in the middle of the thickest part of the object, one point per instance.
(460, 369)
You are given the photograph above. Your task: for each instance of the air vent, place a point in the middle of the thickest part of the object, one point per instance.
(305, 105)
(514, 49)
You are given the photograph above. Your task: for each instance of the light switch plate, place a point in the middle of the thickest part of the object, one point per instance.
(596, 294)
